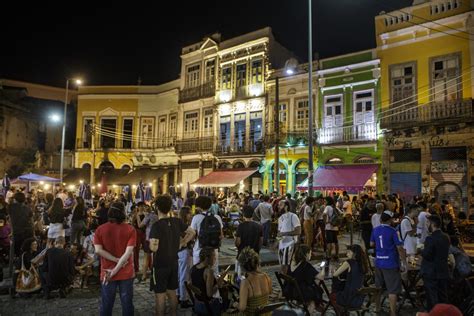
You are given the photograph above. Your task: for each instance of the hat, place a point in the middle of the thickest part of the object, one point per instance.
(386, 215)
(443, 310)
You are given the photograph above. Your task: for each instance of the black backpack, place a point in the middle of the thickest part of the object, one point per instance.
(210, 231)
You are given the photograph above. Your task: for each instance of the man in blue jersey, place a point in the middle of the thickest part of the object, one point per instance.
(388, 251)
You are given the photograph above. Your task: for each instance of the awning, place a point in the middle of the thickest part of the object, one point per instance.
(33, 177)
(341, 177)
(224, 178)
(146, 175)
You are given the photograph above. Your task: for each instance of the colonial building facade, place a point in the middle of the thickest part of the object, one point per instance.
(426, 54)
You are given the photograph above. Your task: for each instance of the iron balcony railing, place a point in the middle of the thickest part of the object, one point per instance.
(431, 113)
(348, 134)
(195, 145)
(224, 147)
(203, 91)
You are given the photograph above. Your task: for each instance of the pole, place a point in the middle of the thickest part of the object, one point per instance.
(92, 178)
(310, 102)
(61, 168)
(276, 164)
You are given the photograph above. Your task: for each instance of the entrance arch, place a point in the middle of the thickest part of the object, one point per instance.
(449, 191)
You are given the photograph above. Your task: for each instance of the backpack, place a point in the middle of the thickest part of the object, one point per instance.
(336, 218)
(399, 229)
(210, 231)
(462, 266)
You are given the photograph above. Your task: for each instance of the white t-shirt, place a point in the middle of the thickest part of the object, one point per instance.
(196, 225)
(422, 228)
(308, 213)
(410, 242)
(287, 223)
(347, 208)
(328, 211)
(376, 220)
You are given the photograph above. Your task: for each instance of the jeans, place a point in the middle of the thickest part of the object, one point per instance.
(266, 232)
(436, 291)
(108, 297)
(184, 267)
(77, 228)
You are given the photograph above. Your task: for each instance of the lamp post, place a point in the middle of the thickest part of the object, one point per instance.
(310, 102)
(61, 168)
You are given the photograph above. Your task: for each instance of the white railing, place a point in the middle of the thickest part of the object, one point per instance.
(346, 134)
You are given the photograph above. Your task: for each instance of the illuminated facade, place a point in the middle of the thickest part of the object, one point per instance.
(425, 54)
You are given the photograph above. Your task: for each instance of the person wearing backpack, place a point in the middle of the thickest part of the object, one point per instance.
(408, 231)
(208, 228)
(332, 218)
(434, 266)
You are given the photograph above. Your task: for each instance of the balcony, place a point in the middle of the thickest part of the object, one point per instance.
(195, 93)
(290, 138)
(428, 114)
(194, 145)
(162, 143)
(240, 93)
(223, 148)
(348, 134)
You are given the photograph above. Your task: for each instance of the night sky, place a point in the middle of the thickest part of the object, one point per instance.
(113, 43)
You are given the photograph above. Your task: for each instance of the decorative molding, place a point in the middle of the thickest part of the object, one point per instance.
(127, 113)
(109, 112)
(89, 113)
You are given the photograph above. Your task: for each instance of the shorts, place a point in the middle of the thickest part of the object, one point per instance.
(390, 278)
(285, 255)
(164, 279)
(331, 236)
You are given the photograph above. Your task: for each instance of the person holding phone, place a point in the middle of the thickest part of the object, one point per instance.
(203, 277)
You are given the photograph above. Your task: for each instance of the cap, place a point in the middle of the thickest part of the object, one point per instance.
(386, 215)
(443, 310)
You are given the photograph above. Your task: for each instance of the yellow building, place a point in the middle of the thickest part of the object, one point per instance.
(120, 128)
(425, 55)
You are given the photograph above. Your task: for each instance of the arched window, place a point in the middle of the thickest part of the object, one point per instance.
(239, 165)
(224, 165)
(86, 166)
(301, 172)
(282, 170)
(254, 164)
(126, 167)
(364, 159)
(334, 161)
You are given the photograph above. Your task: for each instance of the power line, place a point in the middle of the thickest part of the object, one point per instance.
(422, 18)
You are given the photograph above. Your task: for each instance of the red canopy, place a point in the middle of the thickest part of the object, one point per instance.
(340, 177)
(224, 178)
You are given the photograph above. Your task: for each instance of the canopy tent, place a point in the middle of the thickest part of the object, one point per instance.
(224, 178)
(33, 177)
(341, 177)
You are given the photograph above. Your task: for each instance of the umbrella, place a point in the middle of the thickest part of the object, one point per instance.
(82, 190)
(103, 185)
(127, 192)
(148, 194)
(140, 194)
(5, 184)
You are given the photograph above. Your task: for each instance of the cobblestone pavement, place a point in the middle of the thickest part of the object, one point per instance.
(86, 301)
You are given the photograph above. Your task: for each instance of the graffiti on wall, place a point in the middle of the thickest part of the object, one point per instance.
(448, 166)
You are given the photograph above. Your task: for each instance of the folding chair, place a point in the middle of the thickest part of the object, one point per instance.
(195, 292)
(294, 302)
(269, 308)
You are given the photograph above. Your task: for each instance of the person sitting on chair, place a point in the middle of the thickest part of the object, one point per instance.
(203, 278)
(306, 277)
(349, 278)
(256, 287)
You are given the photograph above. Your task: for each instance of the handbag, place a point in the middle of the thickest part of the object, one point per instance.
(28, 281)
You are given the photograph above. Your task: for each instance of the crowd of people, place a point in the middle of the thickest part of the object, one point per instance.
(69, 241)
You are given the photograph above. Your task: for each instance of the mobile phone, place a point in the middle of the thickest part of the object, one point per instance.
(323, 264)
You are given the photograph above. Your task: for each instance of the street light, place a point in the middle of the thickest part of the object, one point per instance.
(61, 168)
(310, 101)
(56, 118)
